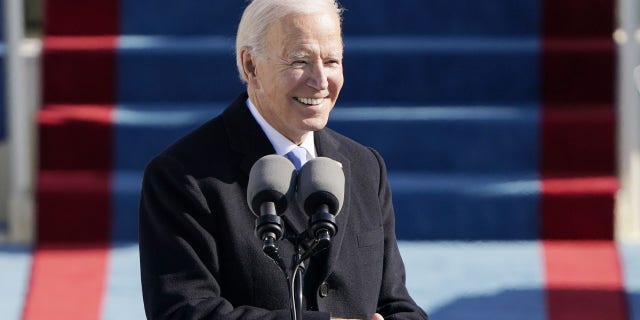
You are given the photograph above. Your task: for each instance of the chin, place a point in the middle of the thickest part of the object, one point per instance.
(315, 124)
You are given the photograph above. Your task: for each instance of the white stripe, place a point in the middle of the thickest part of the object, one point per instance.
(123, 297)
(15, 269)
(471, 278)
(436, 113)
(630, 255)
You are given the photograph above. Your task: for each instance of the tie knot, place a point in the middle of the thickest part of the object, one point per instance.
(298, 157)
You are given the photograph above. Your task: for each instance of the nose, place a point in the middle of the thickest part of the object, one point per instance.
(318, 77)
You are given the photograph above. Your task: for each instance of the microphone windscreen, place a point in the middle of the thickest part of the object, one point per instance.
(272, 179)
(321, 181)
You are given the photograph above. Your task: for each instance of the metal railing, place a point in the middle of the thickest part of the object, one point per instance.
(627, 37)
(20, 193)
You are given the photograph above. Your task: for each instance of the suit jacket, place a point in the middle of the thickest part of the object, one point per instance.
(200, 258)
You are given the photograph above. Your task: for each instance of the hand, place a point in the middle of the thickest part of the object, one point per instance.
(376, 316)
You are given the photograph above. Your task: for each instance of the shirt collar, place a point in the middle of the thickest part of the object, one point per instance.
(280, 143)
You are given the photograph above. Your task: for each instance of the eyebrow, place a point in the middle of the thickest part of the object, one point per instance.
(300, 54)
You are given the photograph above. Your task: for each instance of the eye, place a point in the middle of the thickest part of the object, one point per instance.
(332, 62)
(299, 63)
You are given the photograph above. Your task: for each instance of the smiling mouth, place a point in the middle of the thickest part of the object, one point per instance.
(309, 101)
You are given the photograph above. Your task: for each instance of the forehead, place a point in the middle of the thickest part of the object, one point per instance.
(306, 33)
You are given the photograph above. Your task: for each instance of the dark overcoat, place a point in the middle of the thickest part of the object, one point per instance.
(200, 258)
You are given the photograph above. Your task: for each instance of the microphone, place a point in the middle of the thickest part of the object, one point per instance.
(321, 194)
(271, 187)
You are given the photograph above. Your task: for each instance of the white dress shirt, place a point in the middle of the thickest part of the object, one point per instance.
(280, 143)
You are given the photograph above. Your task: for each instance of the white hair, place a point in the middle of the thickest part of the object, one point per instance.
(259, 15)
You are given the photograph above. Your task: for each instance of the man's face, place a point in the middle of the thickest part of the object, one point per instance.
(298, 81)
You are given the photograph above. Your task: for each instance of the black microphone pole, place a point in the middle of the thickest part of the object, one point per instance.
(298, 272)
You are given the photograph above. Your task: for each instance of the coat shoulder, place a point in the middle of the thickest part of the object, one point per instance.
(354, 150)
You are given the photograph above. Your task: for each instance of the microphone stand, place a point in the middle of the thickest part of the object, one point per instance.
(268, 197)
(298, 271)
(295, 282)
(269, 227)
(321, 229)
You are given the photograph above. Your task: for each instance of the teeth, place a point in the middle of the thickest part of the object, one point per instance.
(310, 101)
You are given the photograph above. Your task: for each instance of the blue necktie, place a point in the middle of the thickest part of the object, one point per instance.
(298, 157)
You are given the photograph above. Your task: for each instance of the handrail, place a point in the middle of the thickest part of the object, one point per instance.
(19, 124)
(628, 199)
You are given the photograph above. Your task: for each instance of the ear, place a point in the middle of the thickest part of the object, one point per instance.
(249, 67)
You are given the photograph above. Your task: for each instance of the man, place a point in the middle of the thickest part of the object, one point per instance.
(199, 256)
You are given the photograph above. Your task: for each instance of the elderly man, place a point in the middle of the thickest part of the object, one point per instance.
(199, 256)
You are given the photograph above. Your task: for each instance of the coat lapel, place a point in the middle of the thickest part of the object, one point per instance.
(328, 147)
(245, 135)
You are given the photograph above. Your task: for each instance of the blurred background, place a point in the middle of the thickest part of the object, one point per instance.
(511, 131)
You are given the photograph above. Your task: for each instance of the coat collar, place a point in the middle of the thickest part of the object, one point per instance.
(245, 135)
